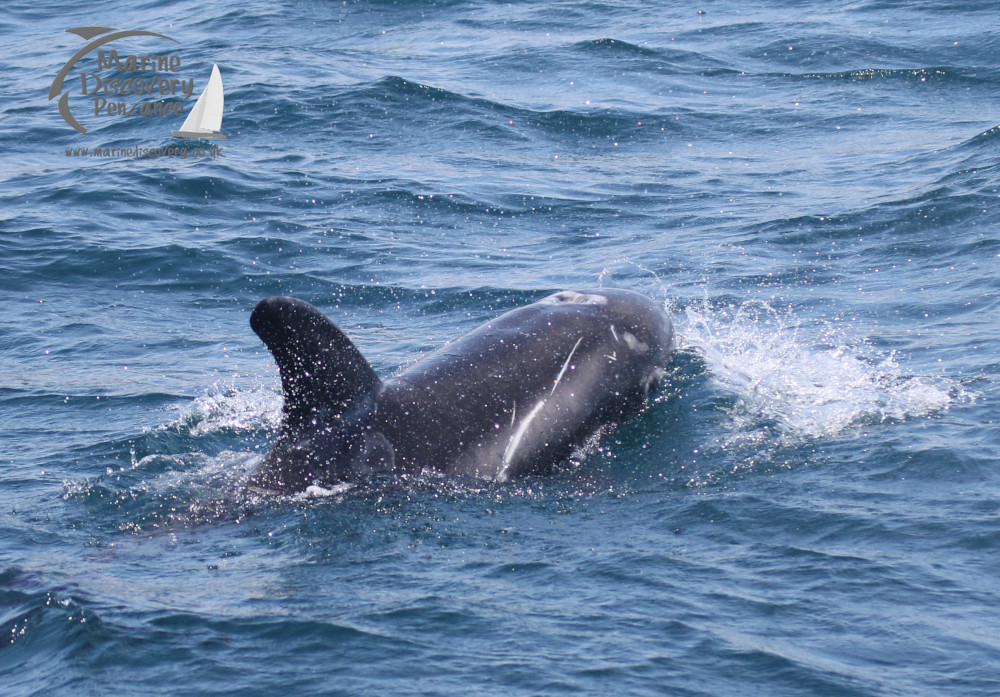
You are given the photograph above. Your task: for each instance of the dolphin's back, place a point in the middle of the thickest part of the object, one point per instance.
(520, 392)
(512, 397)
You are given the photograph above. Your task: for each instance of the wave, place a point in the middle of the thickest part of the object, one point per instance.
(491, 118)
(950, 76)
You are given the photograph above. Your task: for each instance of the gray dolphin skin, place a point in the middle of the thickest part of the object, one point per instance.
(511, 398)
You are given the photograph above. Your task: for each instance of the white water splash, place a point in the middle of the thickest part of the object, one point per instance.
(798, 382)
(227, 408)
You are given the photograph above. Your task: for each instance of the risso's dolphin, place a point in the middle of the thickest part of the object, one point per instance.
(513, 397)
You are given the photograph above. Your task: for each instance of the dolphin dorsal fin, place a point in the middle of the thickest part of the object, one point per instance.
(322, 372)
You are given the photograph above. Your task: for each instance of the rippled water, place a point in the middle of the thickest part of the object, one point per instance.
(809, 507)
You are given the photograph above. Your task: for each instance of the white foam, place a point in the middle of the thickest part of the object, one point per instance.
(227, 408)
(802, 380)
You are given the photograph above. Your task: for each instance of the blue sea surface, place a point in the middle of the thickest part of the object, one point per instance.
(809, 506)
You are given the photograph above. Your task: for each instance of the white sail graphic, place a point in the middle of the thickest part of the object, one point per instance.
(205, 118)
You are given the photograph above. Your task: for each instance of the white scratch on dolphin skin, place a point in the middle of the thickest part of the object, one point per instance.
(572, 297)
(566, 364)
(614, 333)
(515, 440)
(635, 344)
(314, 491)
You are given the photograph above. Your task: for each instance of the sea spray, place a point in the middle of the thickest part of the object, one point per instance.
(793, 381)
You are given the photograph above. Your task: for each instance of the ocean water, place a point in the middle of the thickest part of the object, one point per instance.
(811, 504)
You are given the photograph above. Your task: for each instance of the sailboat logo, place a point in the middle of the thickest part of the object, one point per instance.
(205, 119)
(88, 33)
